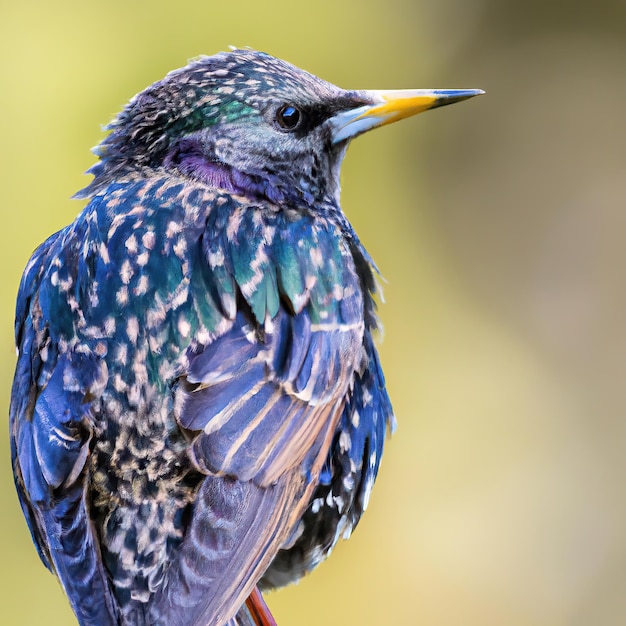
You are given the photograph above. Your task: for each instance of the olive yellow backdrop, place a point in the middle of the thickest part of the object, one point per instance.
(499, 225)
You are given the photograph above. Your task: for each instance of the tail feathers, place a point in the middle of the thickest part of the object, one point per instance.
(78, 564)
(236, 530)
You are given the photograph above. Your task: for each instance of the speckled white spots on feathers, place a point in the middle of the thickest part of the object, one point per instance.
(234, 223)
(131, 244)
(184, 327)
(216, 258)
(316, 257)
(121, 297)
(142, 286)
(143, 258)
(344, 441)
(126, 272)
(103, 251)
(257, 266)
(132, 328)
(148, 239)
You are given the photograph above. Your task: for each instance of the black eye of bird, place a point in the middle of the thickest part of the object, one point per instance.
(289, 117)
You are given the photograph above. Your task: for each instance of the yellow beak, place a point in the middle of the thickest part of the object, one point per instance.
(390, 106)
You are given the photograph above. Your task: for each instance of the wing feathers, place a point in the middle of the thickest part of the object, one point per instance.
(259, 399)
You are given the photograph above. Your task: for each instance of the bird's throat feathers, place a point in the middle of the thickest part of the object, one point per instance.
(189, 158)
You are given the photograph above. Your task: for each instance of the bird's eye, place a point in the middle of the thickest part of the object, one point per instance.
(288, 117)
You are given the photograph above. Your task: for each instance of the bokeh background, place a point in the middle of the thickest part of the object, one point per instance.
(499, 225)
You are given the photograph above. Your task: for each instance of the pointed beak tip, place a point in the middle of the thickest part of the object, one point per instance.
(442, 97)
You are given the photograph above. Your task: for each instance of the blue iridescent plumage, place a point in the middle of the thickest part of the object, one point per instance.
(198, 406)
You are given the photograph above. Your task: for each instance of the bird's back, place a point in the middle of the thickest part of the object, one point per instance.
(219, 382)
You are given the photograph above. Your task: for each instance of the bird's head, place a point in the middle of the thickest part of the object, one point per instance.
(252, 124)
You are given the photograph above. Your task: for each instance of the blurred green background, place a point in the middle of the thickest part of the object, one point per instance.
(499, 225)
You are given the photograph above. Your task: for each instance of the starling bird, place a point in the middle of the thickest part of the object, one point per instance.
(198, 409)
